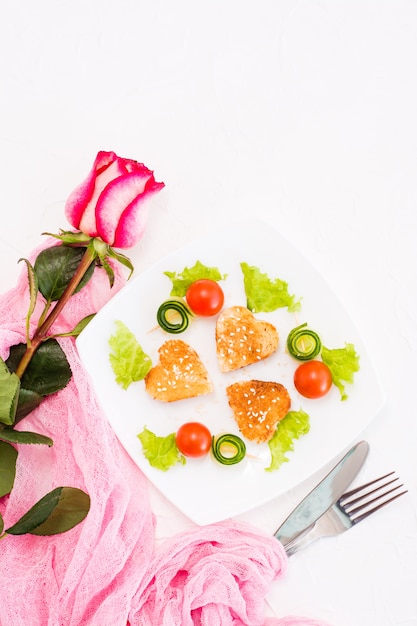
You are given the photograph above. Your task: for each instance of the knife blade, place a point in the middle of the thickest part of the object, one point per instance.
(323, 495)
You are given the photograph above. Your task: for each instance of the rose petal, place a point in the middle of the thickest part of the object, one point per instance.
(105, 176)
(133, 220)
(135, 166)
(112, 193)
(114, 200)
(82, 194)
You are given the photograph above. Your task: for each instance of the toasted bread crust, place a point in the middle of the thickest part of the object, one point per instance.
(179, 374)
(241, 339)
(257, 407)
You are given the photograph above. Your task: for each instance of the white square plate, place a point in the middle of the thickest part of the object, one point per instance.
(202, 489)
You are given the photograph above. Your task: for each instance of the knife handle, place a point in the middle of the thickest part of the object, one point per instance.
(301, 541)
(330, 524)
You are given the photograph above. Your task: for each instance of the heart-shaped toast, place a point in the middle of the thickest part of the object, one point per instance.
(257, 407)
(179, 374)
(241, 339)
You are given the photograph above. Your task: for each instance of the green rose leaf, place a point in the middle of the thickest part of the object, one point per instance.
(121, 258)
(70, 237)
(1, 526)
(28, 401)
(54, 268)
(79, 327)
(8, 457)
(48, 370)
(9, 394)
(58, 511)
(108, 269)
(33, 290)
(21, 436)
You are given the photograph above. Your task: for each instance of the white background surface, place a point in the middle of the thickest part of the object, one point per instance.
(301, 113)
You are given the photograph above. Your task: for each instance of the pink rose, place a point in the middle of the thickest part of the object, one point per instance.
(110, 203)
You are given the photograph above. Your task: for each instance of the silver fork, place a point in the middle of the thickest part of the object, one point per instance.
(348, 511)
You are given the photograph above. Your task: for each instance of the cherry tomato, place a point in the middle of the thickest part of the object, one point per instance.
(205, 297)
(193, 439)
(312, 379)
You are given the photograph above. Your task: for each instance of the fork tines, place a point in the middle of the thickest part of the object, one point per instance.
(357, 508)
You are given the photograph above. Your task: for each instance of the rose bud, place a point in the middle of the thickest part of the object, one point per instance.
(111, 202)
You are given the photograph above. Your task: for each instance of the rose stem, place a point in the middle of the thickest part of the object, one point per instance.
(41, 332)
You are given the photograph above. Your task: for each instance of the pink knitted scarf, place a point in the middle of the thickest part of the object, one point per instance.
(106, 571)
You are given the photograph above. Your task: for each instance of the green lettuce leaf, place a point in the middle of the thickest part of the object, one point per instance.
(161, 452)
(293, 426)
(264, 294)
(342, 363)
(128, 360)
(181, 281)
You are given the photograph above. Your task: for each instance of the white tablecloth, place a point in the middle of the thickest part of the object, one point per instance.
(301, 113)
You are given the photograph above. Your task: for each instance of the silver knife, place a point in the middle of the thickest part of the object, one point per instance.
(324, 495)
